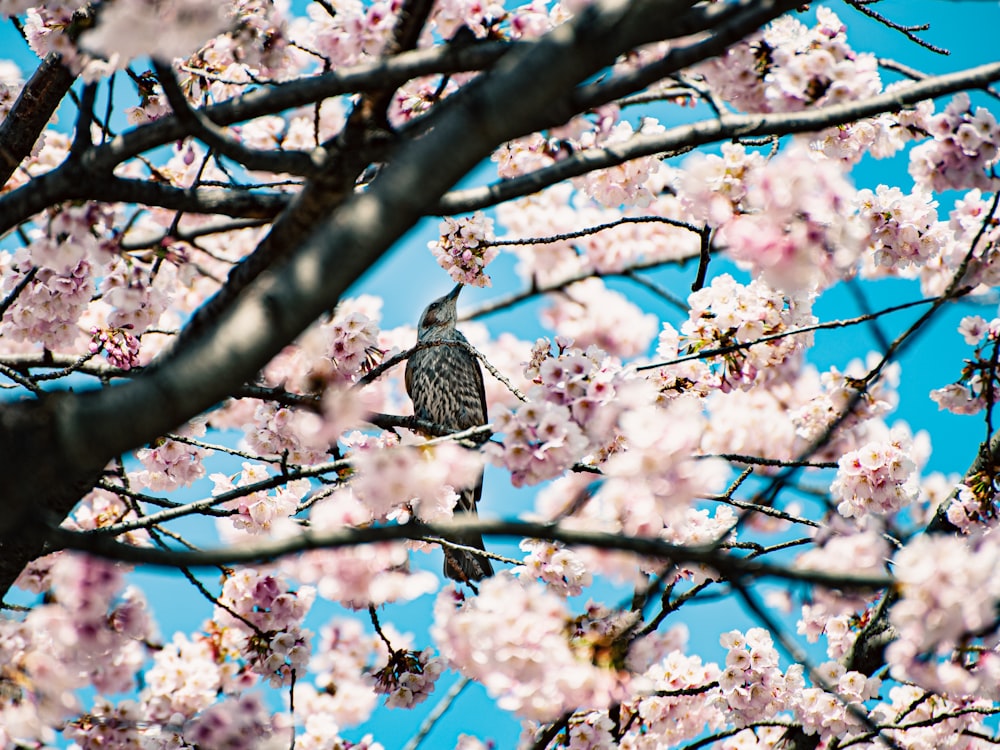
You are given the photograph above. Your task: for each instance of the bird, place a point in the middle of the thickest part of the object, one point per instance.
(446, 386)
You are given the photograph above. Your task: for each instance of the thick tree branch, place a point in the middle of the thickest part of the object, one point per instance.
(73, 181)
(66, 182)
(233, 202)
(728, 565)
(387, 73)
(213, 136)
(37, 102)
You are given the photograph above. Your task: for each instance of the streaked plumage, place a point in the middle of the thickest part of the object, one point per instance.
(446, 386)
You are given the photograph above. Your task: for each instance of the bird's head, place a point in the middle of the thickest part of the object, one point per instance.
(440, 315)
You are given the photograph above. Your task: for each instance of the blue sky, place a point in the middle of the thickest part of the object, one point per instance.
(409, 278)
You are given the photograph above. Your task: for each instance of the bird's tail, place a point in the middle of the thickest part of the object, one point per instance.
(462, 565)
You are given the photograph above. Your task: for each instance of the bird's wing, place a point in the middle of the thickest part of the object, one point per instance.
(408, 377)
(480, 383)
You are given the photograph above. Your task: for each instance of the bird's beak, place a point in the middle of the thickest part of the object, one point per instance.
(453, 294)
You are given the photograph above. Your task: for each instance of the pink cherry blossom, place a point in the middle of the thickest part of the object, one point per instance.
(877, 479)
(559, 567)
(172, 463)
(964, 144)
(903, 229)
(715, 187)
(797, 232)
(620, 328)
(513, 637)
(727, 315)
(408, 678)
(947, 600)
(788, 67)
(464, 250)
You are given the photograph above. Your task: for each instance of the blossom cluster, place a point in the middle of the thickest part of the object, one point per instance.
(524, 155)
(186, 678)
(239, 723)
(264, 617)
(128, 27)
(929, 720)
(752, 685)
(797, 232)
(972, 504)
(540, 441)
(333, 353)
(296, 435)
(58, 299)
(408, 678)
(970, 394)
(903, 230)
(654, 479)
(593, 315)
(730, 317)
(398, 481)
(680, 703)
(354, 35)
(169, 464)
(91, 632)
(876, 480)
(516, 638)
(100, 509)
(50, 304)
(120, 346)
(880, 137)
(354, 341)
(788, 67)
(963, 146)
(137, 301)
(714, 186)
(257, 512)
(833, 710)
(344, 660)
(359, 576)
(948, 601)
(682, 371)
(971, 247)
(633, 183)
(571, 409)
(465, 248)
(560, 568)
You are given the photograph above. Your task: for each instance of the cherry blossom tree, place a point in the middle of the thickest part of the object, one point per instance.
(195, 383)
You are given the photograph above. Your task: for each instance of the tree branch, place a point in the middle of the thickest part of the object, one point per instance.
(713, 131)
(728, 565)
(35, 105)
(213, 136)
